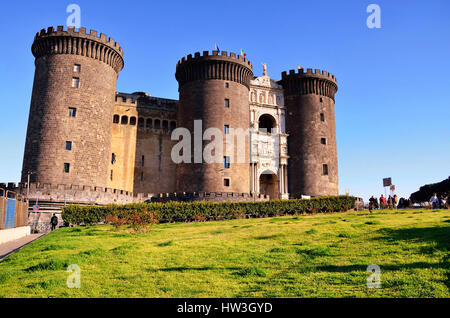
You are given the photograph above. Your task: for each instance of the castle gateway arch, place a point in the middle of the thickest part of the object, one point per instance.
(268, 184)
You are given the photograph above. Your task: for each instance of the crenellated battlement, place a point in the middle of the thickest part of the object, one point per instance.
(75, 193)
(212, 65)
(215, 55)
(309, 73)
(93, 35)
(310, 82)
(69, 41)
(100, 195)
(144, 100)
(209, 196)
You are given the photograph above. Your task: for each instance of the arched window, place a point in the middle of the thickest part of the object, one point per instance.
(116, 119)
(157, 124)
(173, 125)
(266, 123)
(133, 121)
(141, 123)
(165, 125)
(149, 123)
(124, 120)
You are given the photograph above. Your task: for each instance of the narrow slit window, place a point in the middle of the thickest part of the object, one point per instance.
(72, 112)
(66, 167)
(227, 103)
(226, 162)
(325, 170)
(75, 82)
(322, 117)
(68, 145)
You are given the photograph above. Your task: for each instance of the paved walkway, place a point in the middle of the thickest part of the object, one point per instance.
(11, 247)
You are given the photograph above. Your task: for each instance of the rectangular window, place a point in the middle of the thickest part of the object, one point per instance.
(322, 117)
(75, 82)
(321, 100)
(77, 68)
(226, 129)
(111, 175)
(226, 162)
(66, 167)
(72, 112)
(227, 103)
(68, 145)
(323, 141)
(226, 182)
(142, 161)
(227, 85)
(325, 170)
(113, 158)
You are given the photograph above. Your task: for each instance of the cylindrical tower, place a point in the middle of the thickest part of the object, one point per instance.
(214, 89)
(71, 113)
(310, 123)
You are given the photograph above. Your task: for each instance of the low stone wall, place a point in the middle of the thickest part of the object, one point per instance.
(209, 196)
(14, 234)
(40, 221)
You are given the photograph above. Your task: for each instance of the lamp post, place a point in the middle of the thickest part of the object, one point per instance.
(29, 173)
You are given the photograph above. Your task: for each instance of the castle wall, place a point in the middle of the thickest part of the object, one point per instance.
(309, 99)
(158, 172)
(205, 82)
(123, 146)
(142, 145)
(49, 124)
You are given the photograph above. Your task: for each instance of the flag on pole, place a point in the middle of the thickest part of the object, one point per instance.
(217, 48)
(243, 53)
(300, 68)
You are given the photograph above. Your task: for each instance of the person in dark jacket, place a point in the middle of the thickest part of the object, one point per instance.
(54, 221)
(371, 204)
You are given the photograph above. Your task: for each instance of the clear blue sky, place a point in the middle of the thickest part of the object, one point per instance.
(392, 108)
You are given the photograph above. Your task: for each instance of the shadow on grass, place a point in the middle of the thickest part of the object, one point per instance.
(186, 268)
(439, 236)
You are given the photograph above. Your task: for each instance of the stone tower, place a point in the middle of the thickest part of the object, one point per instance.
(310, 123)
(214, 88)
(71, 114)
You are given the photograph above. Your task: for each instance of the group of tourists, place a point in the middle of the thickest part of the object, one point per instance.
(390, 203)
(436, 202)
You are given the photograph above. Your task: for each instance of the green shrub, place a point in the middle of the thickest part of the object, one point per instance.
(138, 214)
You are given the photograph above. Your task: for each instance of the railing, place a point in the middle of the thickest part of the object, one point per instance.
(13, 210)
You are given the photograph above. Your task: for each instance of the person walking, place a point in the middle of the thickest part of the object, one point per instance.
(54, 221)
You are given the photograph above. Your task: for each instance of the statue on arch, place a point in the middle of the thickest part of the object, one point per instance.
(264, 69)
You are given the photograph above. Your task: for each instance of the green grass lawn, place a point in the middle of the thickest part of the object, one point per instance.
(324, 255)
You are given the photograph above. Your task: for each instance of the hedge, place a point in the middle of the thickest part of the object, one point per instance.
(194, 211)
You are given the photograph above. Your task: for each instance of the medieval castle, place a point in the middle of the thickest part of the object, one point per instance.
(87, 142)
